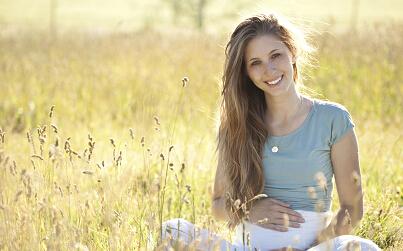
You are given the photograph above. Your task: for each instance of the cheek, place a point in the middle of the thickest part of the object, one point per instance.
(254, 73)
(284, 63)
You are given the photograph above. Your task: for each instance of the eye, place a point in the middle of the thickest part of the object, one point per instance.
(255, 62)
(275, 55)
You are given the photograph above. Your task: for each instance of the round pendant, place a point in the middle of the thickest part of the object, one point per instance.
(274, 149)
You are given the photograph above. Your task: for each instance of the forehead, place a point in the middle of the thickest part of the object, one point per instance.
(262, 45)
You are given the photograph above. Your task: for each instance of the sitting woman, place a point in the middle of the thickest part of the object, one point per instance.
(278, 151)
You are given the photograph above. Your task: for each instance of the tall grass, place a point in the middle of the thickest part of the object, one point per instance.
(127, 146)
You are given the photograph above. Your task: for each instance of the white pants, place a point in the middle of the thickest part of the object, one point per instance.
(300, 238)
(203, 239)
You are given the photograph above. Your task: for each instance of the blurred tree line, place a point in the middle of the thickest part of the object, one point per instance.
(195, 9)
(192, 13)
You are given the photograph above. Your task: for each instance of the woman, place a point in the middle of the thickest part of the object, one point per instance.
(278, 151)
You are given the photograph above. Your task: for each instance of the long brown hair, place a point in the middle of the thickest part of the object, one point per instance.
(242, 131)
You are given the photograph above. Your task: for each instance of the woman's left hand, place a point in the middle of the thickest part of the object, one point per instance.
(286, 249)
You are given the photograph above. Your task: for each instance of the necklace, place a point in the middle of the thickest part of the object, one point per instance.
(275, 148)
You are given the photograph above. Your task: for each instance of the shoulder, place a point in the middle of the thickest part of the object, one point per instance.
(330, 107)
(335, 118)
(331, 111)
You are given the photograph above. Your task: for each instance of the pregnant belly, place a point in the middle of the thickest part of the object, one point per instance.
(301, 238)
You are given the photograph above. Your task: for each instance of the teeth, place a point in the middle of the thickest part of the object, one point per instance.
(274, 81)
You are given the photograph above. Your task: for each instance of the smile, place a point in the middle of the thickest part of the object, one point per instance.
(274, 82)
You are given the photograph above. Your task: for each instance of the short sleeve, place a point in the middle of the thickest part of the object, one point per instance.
(342, 123)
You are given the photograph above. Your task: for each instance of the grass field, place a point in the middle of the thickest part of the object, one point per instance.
(127, 146)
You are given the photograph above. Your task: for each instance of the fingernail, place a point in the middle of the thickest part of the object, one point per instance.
(301, 220)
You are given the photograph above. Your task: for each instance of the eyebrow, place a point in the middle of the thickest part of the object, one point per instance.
(269, 54)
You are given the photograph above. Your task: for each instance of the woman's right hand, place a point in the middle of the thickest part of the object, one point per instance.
(274, 214)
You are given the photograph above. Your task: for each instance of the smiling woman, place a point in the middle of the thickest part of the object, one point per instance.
(269, 63)
(278, 152)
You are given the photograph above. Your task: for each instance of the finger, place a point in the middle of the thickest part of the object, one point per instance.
(279, 202)
(286, 210)
(283, 218)
(294, 225)
(291, 218)
(290, 212)
(274, 227)
(294, 218)
(281, 222)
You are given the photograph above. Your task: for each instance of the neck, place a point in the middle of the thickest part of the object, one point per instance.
(283, 108)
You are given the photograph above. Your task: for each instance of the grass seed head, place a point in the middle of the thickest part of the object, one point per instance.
(188, 188)
(286, 220)
(29, 137)
(312, 193)
(185, 81)
(54, 127)
(320, 179)
(259, 196)
(347, 218)
(2, 135)
(51, 111)
(263, 221)
(131, 133)
(112, 142)
(237, 203)
(356, 178)
(319, 206)
(156, 119)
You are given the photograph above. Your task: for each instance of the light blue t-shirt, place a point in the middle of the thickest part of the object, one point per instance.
(297, 166)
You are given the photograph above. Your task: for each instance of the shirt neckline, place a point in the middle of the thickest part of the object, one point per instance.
(304, 123)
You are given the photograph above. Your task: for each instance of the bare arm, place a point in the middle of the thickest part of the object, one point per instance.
(346, 168)
(218, 198)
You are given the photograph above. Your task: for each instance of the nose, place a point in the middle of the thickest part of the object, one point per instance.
(269, 68)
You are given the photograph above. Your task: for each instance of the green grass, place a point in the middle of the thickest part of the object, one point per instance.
(103, 85)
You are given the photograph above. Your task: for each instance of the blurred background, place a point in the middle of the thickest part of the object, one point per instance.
(206, 15)
(91, 47)
(102, 137)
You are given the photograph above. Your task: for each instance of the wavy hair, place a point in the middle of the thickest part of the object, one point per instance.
(242, 131)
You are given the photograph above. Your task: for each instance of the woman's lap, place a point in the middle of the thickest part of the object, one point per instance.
(195, 237)
(346, 242)
(203, 239)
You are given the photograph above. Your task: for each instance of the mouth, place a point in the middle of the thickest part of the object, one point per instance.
(275, 82)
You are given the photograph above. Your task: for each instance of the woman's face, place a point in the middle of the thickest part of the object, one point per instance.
(269, 64)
